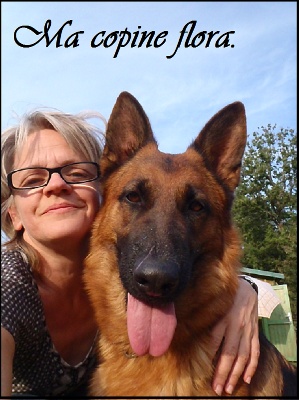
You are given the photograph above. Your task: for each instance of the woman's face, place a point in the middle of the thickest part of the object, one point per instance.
(58, 213)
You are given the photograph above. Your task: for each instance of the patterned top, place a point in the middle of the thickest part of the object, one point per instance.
(37, 368)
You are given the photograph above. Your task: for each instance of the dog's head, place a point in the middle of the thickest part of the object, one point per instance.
(169, 216)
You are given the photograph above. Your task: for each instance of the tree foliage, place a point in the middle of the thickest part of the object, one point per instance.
(265, 208)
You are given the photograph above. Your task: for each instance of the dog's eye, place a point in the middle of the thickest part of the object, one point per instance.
(195, 206)
(133, 197)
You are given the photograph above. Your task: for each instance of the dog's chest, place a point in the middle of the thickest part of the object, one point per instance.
(167, 375)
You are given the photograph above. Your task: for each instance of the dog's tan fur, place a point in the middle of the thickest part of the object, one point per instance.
(185, 198)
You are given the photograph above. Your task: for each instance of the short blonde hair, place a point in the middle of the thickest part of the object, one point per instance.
(83, 137)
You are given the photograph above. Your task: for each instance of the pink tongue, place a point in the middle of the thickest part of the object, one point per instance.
(150, 329)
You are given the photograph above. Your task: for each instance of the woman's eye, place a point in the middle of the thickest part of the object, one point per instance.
(33, 180)
(78, 173)
(195, 206)
(133, 197)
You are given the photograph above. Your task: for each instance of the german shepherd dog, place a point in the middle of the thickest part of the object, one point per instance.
(164, 260)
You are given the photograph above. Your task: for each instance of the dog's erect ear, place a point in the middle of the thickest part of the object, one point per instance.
(222, 142)
(128, 131)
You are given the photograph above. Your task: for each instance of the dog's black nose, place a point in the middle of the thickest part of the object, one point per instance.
(157, 279)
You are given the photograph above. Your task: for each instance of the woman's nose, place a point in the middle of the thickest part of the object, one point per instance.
(56, 182)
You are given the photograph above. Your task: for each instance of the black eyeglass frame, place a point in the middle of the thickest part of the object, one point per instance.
(52, 171)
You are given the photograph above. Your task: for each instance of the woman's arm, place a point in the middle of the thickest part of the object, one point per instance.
(239, 332)
(7, 355)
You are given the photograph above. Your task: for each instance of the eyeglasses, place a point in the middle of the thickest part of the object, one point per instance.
(35, 177)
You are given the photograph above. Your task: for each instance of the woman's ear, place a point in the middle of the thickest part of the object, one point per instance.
(16, 220)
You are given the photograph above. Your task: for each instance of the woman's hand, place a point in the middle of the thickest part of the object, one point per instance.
(241, 348)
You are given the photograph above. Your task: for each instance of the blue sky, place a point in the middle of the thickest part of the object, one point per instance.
(179, 94)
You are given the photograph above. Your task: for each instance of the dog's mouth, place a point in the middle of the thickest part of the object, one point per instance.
(153, 284)
(150, 329)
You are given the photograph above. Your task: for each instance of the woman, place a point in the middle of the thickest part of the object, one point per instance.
(50, 196)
